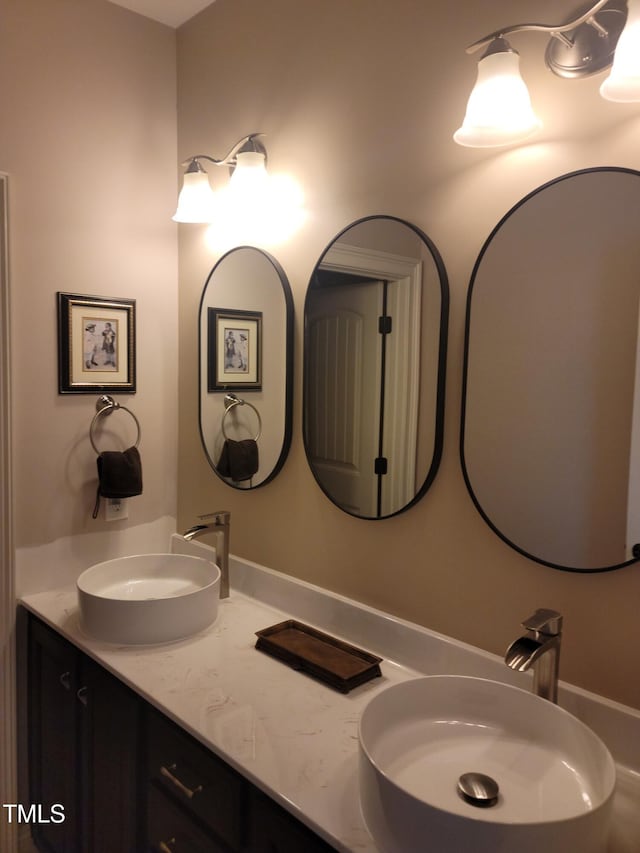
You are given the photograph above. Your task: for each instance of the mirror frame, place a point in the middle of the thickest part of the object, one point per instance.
(467, 331)
(443, 327)
(288, 365)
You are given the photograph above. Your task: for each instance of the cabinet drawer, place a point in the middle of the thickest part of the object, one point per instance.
(204, 786)
(171, 830)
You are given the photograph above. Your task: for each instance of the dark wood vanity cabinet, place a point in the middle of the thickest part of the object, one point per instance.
(83, 740)
(130, 780)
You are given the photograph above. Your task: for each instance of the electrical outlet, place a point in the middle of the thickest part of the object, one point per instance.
(116, 509)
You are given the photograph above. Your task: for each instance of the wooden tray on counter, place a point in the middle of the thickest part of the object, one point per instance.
(338, 664)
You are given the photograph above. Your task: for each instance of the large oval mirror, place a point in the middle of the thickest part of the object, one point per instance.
(374, 362)
(551, 414)
(246, 367)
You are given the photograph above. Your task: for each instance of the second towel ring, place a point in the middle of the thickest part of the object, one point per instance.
(230, 402)
(105, 406)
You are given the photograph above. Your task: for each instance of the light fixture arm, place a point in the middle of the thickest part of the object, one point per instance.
(555, 31)
(247, 143)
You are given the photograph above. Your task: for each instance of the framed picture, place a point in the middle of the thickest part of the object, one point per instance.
(96, 345)
(234, 350)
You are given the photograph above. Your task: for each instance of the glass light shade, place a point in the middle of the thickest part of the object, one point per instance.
(623, 83)
(499, 110)
(250, 178)
(265, 218)
(195, 202)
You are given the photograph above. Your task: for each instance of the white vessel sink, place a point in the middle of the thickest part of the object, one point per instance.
(148, 598)
(555, 777)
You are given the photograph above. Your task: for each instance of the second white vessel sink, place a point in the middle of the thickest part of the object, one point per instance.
(452, 763)
(148, 598)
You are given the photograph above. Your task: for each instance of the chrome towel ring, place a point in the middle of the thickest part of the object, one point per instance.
(230, 402)
(105, 406)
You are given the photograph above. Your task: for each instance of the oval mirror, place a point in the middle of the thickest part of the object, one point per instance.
(374, 366)
(246, 367)
(551, 419)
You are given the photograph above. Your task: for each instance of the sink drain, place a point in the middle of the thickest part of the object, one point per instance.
(478, 789)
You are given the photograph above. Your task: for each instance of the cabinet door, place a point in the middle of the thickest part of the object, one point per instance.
(274, 830)
(110, 737)
(83, 750)
(54, 760)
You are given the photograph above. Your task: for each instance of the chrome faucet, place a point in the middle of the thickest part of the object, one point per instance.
(540, 649)
(220, 524)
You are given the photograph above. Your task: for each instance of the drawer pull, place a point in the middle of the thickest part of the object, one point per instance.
(167, 846)
(82, 695)
(188, 792)
(65, 680)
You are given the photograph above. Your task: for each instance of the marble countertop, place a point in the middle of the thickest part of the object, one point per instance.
(292, 736)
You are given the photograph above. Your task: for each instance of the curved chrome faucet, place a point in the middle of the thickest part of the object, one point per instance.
(221, 525)
(539, 648)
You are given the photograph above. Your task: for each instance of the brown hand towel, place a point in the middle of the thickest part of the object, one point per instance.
(119, 475)
(239, 459)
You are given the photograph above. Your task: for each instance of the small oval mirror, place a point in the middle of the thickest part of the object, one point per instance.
(246, 367)
(375, 348)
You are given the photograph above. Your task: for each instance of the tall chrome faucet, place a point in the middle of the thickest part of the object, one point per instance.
(539, 648)
(219, 523)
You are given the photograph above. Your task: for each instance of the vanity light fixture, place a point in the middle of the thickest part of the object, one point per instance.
(499, 111)
(247, 164)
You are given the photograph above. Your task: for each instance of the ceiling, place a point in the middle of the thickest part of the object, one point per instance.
(171, 12)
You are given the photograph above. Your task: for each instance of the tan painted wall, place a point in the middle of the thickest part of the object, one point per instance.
(359, 100)
(88, 138)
